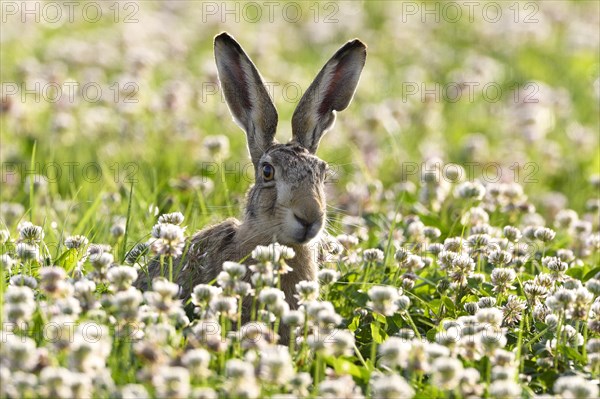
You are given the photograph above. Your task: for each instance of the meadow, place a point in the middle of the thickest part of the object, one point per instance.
(463, 255)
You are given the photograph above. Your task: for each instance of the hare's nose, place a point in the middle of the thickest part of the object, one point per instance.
(308, 223)
(302, 221)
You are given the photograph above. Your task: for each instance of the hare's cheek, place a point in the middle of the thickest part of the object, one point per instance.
(285, 193)
(268, 199)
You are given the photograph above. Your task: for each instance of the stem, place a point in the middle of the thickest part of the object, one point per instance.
(170, 268)
(222, 352)
(366, 276)
(317, 375)
(558, 341)
(585, 340)
(374, 347)
(412, 325)
(360, 357)
(238, 343)
(520, 345)
(292, 342)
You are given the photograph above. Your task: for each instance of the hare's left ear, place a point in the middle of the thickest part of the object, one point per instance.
(332, 90)
(246, 95)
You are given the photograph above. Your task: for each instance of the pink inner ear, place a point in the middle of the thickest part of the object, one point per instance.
(329, 97)
(236, 77)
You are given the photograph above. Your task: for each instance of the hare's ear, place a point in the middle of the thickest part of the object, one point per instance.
(331, 91)
(246, 95)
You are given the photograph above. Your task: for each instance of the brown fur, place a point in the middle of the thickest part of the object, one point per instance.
(290, 207)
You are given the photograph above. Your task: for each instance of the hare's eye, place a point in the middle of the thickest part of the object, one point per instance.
(268, 172)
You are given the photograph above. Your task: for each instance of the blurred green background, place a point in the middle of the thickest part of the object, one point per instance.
(119, 94)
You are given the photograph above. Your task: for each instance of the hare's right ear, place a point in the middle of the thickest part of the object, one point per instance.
(332, 90)
(246, 95)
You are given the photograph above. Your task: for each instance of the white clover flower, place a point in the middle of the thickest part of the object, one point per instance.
(391, 386)
(475, 216)
(293, 318)
(328, 276)
(203, 393)
(224, 306)
(394, 352)
(121, 277)
(490, 316)
(383, 300)
(486, 302)
(453, 244)
(502, 278)
(101, 260)
(512, 234)
(76, 242)
(403, 303)
(402, 255)
(415, 229)
(170, 239)
(240, 379)
(469, 383)
(21, 384)
(307, 291)
(561, 301)
(19, 353)
(446, 372)
(499, 258)
(204, 293)
(90, 347)
(31, 234)
(544, 234)
(275, 365)
(4, 236)
(175, 218)
(327, 320)
(118, 227)
(314, 308)
(270, 296)
(565, 218)
(503, 389)
(136, 391)
(27, 252)
(342, 387)
(300, 384)
(272, 253)
(347, 240)
(576, 387)
(470, 190)
(53, 281)
(235, 270)
(217, 145)
(19, 304)
(55, 382)
(373, 255)
(197, 362)
(127, 303)
(414, 263)
(491, 340)
(171, 382)
(6, 262)
(341, 343)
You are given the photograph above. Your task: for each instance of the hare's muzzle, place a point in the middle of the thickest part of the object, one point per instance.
(307, 226)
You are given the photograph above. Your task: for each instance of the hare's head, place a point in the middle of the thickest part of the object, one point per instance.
(287, 201)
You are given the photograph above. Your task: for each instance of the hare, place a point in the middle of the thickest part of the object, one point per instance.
(287, 202)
